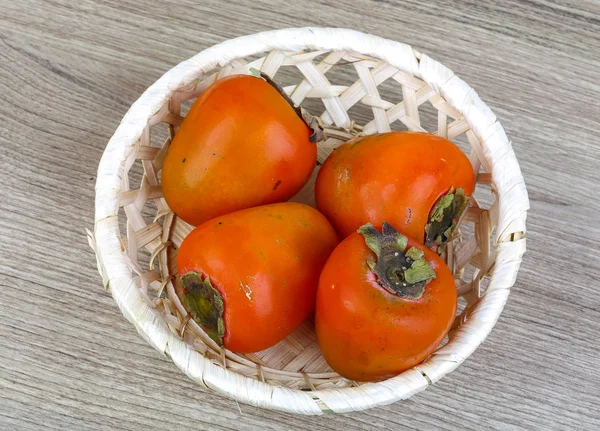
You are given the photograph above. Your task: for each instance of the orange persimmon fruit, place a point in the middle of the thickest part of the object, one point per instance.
(250, 277)
(241, 145)
(417, 182)
(384, 303)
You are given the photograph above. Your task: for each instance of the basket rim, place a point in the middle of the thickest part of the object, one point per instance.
(114, 264)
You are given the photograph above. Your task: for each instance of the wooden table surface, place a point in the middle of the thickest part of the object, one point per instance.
(69, 70)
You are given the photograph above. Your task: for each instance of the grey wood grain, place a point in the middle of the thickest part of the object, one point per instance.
(70, 70)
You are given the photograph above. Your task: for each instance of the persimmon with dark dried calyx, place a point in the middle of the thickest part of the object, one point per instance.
(417, 182)
(249, 278)
(242, 144)
(384, 304)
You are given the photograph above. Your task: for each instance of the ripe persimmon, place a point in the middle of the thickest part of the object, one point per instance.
(384, 304)
(241, 145)
(417, 182)
(249, 278)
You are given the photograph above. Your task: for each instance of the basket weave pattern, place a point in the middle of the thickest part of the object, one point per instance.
(137, 250)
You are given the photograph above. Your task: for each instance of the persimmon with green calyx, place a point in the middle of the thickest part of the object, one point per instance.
(250, 277)
(384, 303)
(242, 144)
(417, 182)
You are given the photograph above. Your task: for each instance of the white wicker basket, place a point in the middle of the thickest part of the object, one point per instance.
(136, 235)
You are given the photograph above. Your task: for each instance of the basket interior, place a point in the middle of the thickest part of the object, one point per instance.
(353, 94)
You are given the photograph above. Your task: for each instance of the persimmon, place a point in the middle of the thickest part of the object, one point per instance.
(249, 278)
(384, 304)
(417, 182)
(241, 145)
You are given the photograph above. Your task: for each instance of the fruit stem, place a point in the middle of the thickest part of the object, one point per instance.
(205, 304)
(399, 271)
(443, 217)
(311, 121)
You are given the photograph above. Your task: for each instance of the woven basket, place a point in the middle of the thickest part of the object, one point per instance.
(359, 84)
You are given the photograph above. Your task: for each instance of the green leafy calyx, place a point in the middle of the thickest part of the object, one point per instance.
(443, 217)
(401, 272)
(205, 304)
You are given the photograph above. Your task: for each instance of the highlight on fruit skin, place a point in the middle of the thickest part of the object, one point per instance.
(241, 145)
(418, 182)
(385, 302)
(249, 278)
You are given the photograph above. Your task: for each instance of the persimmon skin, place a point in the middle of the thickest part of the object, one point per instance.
(241, 145)
(369, 334)
(265, 262)
(395, 177)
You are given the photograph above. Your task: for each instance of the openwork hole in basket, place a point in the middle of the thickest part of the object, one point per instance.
(354, 94)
